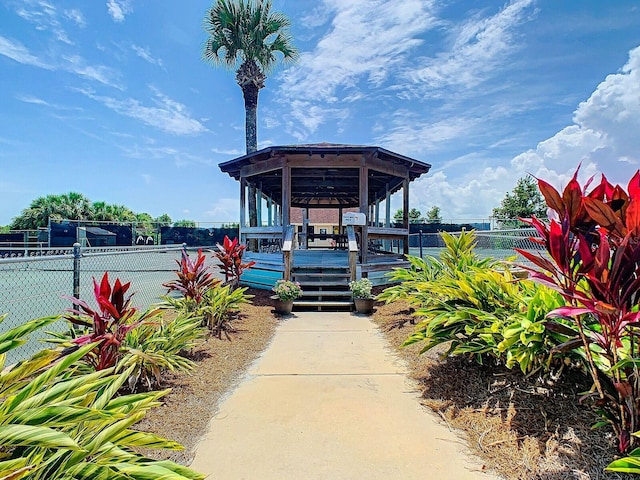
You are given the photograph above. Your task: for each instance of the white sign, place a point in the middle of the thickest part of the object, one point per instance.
(353, 218)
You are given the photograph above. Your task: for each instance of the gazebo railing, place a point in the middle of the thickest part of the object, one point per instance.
(272, 235)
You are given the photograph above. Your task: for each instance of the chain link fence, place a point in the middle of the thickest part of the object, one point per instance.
(498, 244)
(34, 282)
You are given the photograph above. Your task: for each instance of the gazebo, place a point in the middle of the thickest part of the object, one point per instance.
(354, 180)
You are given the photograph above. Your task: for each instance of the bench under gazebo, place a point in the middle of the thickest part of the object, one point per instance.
(351, 182)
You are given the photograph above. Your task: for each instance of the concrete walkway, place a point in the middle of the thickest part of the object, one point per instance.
(327, 400)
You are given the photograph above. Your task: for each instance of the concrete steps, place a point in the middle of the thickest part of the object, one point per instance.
(326, 288)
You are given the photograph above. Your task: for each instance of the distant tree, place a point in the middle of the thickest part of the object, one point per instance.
(185, 223)
(245, 35)
(415, 216)
(524, 201)
(397, 217)
(101, 212)
(164, 220)
(144, 221)
(230, 225)
(434, 215)
(75, 206)
(72, 206)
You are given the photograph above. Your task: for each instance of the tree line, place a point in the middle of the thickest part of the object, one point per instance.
(75, 206)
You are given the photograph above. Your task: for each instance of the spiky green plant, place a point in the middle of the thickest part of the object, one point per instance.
(59, 423)
(155, 347)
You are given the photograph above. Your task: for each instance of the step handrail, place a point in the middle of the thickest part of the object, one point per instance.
(287, 249)
(352, 241)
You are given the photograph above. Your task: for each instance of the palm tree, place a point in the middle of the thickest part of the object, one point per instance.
(101, 212)
(75, 206)
(246, 35)
(72, 206)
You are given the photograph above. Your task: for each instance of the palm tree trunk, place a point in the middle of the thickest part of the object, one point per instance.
(250, 93)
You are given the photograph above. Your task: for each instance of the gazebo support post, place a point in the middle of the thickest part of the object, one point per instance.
(364, 208)
(405, 213)
(243, 203)
(286, 195)
(387, 221)
(259, 206)
(304, 241)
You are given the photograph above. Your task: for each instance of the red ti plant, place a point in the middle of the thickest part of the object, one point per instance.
(194, 278)
(230, 256)
(594, 249)
(109, 324)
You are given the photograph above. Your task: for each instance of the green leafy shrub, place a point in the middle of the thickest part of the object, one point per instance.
(477, 307)
(219, 307)
(216, 309)
(59, 423)
(124, 338)
(458, 255)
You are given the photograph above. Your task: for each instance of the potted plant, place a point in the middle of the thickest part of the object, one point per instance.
(362, 297)
(285, 293)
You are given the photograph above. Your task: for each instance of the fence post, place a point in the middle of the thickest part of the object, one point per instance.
(420, 237)
(77, 253)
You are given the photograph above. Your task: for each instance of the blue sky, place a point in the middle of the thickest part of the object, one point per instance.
(110, 98)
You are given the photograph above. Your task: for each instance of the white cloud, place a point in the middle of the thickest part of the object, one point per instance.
(145, 54)
(167, 114)
(603, 138)
(224, 210)
(471, 197)
(76, 16)
(44, 16)
(18, 52)
(368, 41)
(33, 100)
(118, 9)
(73, 63)
(410, 134)
(105, 75)
(179, 157)
(228, 151)
(479, 46)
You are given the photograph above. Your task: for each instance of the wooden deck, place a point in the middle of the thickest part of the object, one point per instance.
(269, 267)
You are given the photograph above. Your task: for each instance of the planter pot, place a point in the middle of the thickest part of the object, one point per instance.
(282, 307)
(364, 305)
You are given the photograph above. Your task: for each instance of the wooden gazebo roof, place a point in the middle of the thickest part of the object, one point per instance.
(326, 174)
